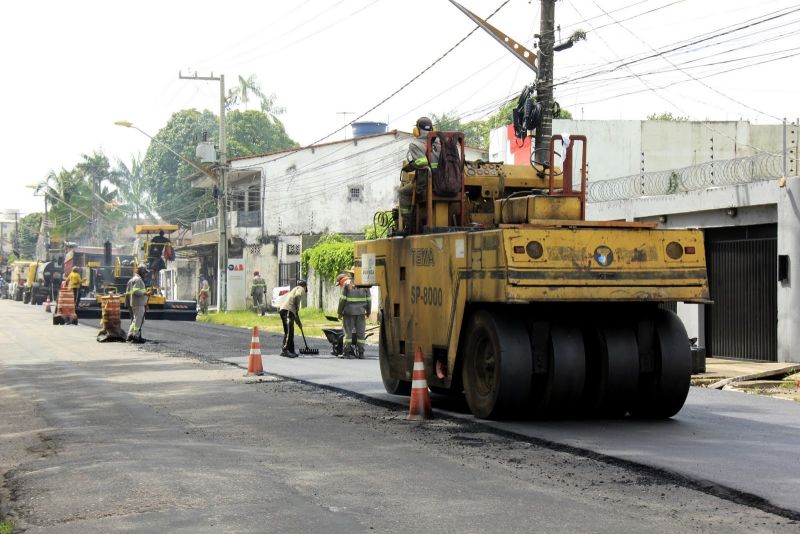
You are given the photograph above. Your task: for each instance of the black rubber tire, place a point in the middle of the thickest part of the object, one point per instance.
(393, 386)
(618, 371)
(566, 372)
(497, 365)
(662, 394)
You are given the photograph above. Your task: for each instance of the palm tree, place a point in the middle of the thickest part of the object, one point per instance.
(131, 187)
(248, 87)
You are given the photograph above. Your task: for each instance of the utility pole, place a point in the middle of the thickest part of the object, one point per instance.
(95, 213)
(16, 234)
(544, 80)
(222, 248)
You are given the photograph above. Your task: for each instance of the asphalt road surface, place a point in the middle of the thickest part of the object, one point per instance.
(170, 436)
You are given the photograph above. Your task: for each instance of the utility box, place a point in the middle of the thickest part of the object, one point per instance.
(205, 152)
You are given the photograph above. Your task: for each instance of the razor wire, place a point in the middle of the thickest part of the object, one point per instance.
(706, 175)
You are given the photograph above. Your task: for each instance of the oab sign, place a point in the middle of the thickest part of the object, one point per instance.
(236, 284)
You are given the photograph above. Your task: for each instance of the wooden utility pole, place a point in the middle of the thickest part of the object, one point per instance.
(544, 80)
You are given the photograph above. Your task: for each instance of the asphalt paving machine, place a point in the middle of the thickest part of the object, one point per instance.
(116, 270)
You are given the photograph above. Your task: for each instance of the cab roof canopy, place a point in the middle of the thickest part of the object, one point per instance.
(155, 228)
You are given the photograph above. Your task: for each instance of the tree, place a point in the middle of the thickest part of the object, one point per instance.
(247, 133)
(24, 238)
(130, 183)
(164, 172)
(250, 86)
(328, 257)
(106, 217)
(252, 132)
(70, 212)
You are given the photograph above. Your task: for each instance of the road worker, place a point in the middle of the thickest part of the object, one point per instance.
(203, 296)
(290, 313)
(418, 163)
(136, 299)
(258, 292)
(74, 282)
(355, 304)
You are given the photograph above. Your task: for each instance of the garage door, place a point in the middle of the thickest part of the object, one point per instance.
(742, 270)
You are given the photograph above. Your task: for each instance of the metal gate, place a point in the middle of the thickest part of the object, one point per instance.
(288, 273)
(742, 271)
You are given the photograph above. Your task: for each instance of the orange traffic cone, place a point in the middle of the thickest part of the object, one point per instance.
(254, 365)
(47, 305)
(420, 407)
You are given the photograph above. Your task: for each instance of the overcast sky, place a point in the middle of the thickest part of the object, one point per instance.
(71, 69)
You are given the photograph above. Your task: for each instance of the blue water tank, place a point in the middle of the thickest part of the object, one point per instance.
(360, 129)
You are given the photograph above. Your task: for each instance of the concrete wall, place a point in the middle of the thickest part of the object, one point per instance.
(624, 148)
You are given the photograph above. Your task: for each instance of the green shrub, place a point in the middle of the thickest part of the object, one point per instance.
(331, 255)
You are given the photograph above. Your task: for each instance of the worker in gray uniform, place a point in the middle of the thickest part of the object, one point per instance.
(136, 299)
(258, 293)
(290, 313)
(355, 305)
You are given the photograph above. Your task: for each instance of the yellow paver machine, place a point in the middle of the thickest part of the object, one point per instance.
(117, 270)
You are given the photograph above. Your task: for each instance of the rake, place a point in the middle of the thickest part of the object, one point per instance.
(306, 350)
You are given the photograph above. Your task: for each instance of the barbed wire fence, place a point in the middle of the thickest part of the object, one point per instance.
(749, 169)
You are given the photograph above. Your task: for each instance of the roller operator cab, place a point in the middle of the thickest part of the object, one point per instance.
(529, 309)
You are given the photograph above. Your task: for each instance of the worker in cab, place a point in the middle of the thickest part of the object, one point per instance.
(74, 282)
(418, 168)
(258, 291)
(155, 252)
(136, 295)
(290, 313)
(355, 304)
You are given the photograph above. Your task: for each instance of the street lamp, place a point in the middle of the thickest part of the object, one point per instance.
(128, 124)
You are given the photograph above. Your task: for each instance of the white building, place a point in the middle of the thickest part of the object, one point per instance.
(736, 181)
(281, 203)
(8, 221)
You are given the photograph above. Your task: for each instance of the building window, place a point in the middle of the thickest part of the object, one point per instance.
(355, 193)
(254, 198)
(292, 250)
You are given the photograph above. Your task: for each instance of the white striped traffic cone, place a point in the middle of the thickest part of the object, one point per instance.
(254, 365)
(420, 407)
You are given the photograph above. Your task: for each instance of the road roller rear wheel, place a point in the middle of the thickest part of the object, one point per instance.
(560, 391)
(663, 392)
(497, 365)
(391, 385)
(612, 371)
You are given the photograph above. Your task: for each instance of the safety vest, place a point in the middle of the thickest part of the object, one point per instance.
(355, 300)
(259, 286)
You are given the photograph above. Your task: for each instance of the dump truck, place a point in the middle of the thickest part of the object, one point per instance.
(47, 276)
(517, 300)
(114, 271)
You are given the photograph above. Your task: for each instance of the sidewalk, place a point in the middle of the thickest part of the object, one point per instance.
(761, 378)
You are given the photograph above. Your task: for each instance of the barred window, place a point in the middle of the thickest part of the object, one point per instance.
(292, 250)
(355, 192)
